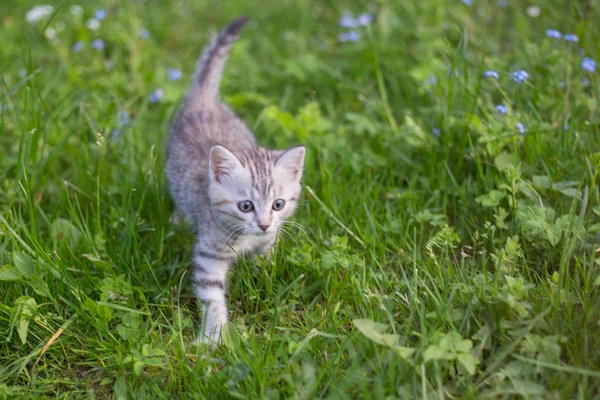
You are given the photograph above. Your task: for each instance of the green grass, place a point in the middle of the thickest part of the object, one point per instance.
(458, 266)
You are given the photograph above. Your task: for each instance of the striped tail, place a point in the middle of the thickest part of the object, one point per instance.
(205, 87)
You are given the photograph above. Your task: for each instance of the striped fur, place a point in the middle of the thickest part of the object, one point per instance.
(214, 164)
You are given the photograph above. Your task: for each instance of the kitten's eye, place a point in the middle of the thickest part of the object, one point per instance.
(278, 204)
(245, 206)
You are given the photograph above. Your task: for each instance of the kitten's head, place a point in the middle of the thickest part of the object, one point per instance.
(255, 191)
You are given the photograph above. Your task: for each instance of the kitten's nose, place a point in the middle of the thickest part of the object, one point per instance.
(263, 227)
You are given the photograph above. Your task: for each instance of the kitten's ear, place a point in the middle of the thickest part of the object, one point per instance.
(292, 161)
(221, 163)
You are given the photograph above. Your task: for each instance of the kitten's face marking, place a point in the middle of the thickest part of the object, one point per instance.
(256, 194)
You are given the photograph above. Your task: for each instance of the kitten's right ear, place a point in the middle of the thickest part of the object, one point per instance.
(221, 163)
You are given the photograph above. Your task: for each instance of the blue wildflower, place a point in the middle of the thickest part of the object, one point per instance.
(519, 76)
(502, 3)
(174, 74)
(431, 80)
(144, 33)
(100, 15)
(350, 36)
(98, 44)
(436, 132)
(553, 34)
(520, 127)
(586, 81)
(491, 74)
(348, 21)
(123, 118)
(587, 64)
(566, 127)
(467, 2)
(502, 109)
(77, 46)
(156, 96)
(365, 19)
(571, 38)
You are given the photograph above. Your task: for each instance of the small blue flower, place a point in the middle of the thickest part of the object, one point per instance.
(365, 19)
(502, 3)
(571, 38)
(144, 33)
(586, 81)
(98, 44)
(491, 74)
(436, 132)
(77, 46)
(350, 36)
(519, 76)
(520, 127)
(174, 74)
(467, 2)
(115, 134)
(348, 21)
(553, 34)
(502, 109)
(566, 127)
(156, 96)
(431, 80)
(562, 85)
(587, 64)
(100, 15)
(123, 118)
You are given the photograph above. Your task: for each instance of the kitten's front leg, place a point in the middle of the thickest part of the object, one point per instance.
(266, 250)
(210, 270)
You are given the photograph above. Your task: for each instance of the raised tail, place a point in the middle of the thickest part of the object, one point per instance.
(205, 86)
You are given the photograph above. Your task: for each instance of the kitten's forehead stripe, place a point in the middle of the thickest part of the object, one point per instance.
(260, 164)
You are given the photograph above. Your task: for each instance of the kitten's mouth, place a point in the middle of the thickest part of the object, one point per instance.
(261, 232)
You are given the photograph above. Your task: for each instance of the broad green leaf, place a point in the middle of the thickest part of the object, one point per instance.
(491, 199)
(596, 210)
(541, 181)
(505, 160)
(553, 233)
(597, 281)
(63, 231)
(571, 192)
(328, 261)
(564, 185)
(24, 264)
(24, 311)
(153, 361)
(105, 265)
(138, 366)
(39, 286)
(435, 352)
(468, 361)
(9, 273)
(594, 228)
(404, 352)
(373, 330)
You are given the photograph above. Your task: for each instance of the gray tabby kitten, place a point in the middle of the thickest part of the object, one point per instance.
(236, 193)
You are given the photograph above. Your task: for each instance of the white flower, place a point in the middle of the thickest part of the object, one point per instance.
(50, 33)
(533, 11)
(38, 12)
(93, 24)
(76, 10)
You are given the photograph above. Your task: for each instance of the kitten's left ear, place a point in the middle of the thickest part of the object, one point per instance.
(292, 160)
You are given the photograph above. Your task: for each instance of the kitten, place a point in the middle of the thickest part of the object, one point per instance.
(236, 194)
